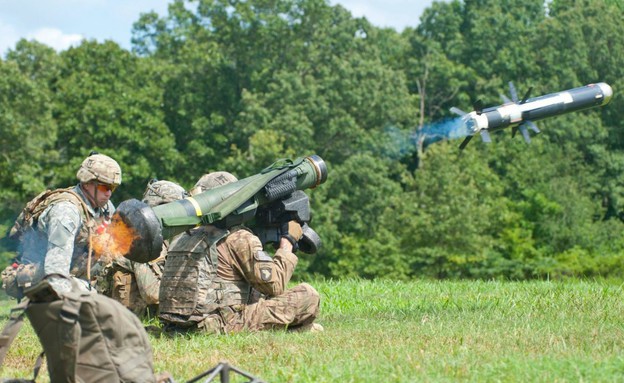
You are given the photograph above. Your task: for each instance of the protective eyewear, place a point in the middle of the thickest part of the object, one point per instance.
(103, 188)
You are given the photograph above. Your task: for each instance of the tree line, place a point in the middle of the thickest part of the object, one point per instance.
(237, 84)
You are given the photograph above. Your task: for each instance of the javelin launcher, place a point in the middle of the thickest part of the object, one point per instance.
(520, 114)
(227, 205)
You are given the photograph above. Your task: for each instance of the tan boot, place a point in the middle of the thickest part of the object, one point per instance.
(310, 327)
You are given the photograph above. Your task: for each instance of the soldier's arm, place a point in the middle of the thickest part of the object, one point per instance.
(61, 223)
(269, 275)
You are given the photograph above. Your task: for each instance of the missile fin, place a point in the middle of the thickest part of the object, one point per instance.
(478, 106)
(505, 99)
(513, 92)
(485, 136)
(458, 111)
(526, 96)
(525, 133)
(514, 130)
(533, 127)
(465, 142)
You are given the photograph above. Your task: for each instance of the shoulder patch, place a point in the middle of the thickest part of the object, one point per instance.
(263, 256)
(265, 265)
(266, 273)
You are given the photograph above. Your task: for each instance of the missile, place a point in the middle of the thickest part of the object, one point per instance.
(227, 205)
(520, 114)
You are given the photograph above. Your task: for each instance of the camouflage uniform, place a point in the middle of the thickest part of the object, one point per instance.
(136, 285)
(222, 281)
(57, 245)
(67, 233)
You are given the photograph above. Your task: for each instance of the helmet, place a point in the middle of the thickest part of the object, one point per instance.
(161, 192)
(100, 168)
(211, 181)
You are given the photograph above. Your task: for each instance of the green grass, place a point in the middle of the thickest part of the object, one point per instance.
(423, 331)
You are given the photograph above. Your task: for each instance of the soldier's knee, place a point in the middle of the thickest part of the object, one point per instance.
(312, 296)
(311, 291)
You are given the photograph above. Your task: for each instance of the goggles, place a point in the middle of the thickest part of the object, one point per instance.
(103, 188)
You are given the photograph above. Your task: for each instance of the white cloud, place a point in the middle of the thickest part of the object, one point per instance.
(8, 37)
(396, 14)
(51, 37)
(55, 38)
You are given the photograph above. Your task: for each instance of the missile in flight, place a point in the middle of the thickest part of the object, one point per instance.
(520, 113)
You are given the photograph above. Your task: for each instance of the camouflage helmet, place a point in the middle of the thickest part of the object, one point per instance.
(101, 168)
(161, 192)
(211, 181)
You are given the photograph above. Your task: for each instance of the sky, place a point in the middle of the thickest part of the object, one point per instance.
(63, 23)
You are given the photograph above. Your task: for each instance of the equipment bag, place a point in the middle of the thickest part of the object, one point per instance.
(86, 337)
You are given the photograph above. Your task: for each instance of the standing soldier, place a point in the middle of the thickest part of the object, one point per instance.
(219, 280)
(55, 229)
(133, 284)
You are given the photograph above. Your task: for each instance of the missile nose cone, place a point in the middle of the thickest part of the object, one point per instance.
(607, 92)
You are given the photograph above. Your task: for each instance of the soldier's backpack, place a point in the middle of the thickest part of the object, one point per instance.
(16, 276)
(30, 213)
(85, 337)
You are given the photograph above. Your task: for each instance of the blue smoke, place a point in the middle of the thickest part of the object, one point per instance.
(403, 143)
(447, 129)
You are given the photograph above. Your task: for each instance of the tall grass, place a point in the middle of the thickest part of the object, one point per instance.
(423, 331)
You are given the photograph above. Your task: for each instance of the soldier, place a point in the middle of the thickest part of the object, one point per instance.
(55, 229)
(221, 281)
(133, 284)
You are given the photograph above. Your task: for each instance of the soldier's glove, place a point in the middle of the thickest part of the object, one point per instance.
(293, 232)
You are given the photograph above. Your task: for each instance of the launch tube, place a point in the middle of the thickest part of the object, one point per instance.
(236, 202)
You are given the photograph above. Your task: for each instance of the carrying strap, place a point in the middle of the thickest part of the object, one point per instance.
(10, 331)
(69, 316)
(70, 311)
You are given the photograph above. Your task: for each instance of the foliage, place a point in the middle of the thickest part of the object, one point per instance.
(235, 85)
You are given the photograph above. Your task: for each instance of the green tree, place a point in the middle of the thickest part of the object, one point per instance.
(111, 101)
(27, 127)
(305, 70)
(27, 130)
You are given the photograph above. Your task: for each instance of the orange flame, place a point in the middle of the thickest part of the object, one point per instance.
(113, 240)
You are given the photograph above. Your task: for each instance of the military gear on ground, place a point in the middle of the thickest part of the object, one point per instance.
(222, 371)
(100, 168)
(161, 192)
(86, 337)
(212, 180)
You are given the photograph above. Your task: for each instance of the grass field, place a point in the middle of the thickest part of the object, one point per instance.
(423, 331)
